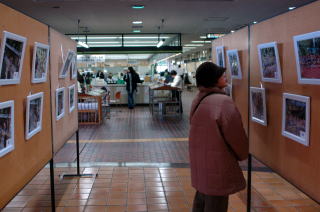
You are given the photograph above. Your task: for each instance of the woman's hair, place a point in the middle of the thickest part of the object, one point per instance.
(173, 72)
(132, 71)
(208, 74)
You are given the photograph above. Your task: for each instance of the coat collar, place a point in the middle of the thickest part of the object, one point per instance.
(204, 91)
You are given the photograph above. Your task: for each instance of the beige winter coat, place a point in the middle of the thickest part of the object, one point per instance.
(217, 141)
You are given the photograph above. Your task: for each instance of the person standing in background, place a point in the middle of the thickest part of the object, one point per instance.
(217, 141)
(131, 78)
(177, 83)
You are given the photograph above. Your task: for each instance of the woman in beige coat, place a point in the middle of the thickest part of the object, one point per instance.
(217, 141)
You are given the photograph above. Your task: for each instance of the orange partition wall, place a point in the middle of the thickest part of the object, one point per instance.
(65, 127)
(237, 40)
(29, 156)
(297, 163)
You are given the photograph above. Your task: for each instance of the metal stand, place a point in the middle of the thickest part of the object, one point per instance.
(78, 163)
(53, 200)
(249, 183)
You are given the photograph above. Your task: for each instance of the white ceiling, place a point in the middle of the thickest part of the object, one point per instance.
(192, 18)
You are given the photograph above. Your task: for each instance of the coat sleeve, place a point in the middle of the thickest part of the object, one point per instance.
(232, 130)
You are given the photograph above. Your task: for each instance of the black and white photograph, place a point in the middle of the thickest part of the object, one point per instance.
(34, 114)
(72, 97)
(40, 63)
(307, 52)
(258, 105)
(269, 62)
(60, 103)
(11, 58)
(220, 56)
(296, 117)
(66, 64)
(6, 127)
(234, 64)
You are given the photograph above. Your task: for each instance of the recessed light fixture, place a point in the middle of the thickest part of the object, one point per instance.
(200, 41)
(203, 37)
(254, 22)
(136, 22)
(232, 31)
(292, 8)
(136, 30)
(137, 7)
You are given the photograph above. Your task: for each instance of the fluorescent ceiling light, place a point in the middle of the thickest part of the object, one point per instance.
(292, 8)
(136, 22)
(232, 31)
(189, 45)
(139, 45)
(153, 42)
(200, 41)
(83, 44)
(203, 37)
(83, 38)
(160, 43)
(254, 22)
(137, 6)
(132, 37)
(136, 30)
(105, 45)
(103, 42)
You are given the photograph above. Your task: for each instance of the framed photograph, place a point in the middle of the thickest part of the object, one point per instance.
(220, 56)
(11, 58)
(234, 64)
(34, 114)
(296, 117)
(269, 62)
(6, 127)
(60, 93)
(40, 63)
(228, 90)
(66, 65)
(258, 105)
(73, 67)
(72, 97)
(307, 51)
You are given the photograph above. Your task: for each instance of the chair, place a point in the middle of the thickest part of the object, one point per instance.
(116, 99)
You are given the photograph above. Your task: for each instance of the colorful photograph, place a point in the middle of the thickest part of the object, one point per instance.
(72, 97)
(296, 117)
(67, 63)
(40, 63)
(307, 51)
(74, 67)
(269, 62)
(59, 103)
(234, 64)
(220, 56)
(34, 114)
(258, 105)
(6, 127)
(11, 60)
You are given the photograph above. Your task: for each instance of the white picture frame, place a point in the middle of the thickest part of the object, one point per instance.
(220, 60)
(11, 58)
(34, 114)
(40, 62)
(60, 103)
(6, 129)
(66, 64)
(307, 52)
(234, 64)
(269, 62)
(228, 90)
(74, 69)
(72, 97)
(300, 105)
(258, 109)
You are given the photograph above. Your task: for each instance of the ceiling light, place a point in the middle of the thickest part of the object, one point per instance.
(254, 22)
(83, 44)
(292, 8)
(136, 30)
(137, 22)
(161, 42)
(200, 41)
(232, 31)
(193, 45)
(203, 37)
(137, 6)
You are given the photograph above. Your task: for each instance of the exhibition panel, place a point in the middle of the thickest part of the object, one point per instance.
(236, 46)
(289, 144)
(25, 132)
(63, 72)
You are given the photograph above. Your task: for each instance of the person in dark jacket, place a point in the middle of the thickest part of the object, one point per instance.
(131, 78)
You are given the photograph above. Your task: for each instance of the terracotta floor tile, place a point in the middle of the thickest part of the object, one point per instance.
(286, 209)
(136, 208)
(153, 184)
(12, 210)
(153, 194)
(75, 202)
(136, 195)
(156, 201)
(115, 208)
(116, 201)
(157, 207)
(95, 209)
(174, 194)
(136, 201)
(158, 188)
(307, 209)
(96, 202)
(118, 195)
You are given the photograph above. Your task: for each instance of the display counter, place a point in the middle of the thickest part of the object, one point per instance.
(141, 96)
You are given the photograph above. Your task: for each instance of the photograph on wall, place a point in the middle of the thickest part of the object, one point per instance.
(11, 58)
(258, 105)
(40, 63)
(269, 62)
(307, 52)
(66, 65)
(34, 114)
(234, 64)
(296, 117)
(6, 127)
(220, 56)
(228, 90)
(73, 68)
(72, 97)
(60, 103)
